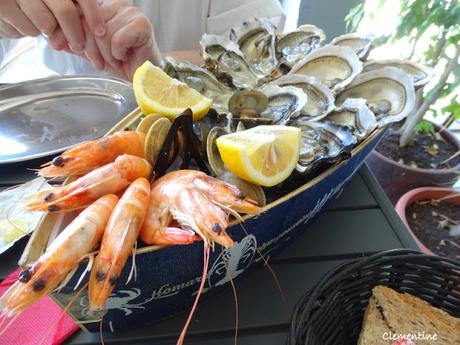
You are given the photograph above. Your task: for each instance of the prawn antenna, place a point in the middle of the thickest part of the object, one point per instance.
(206, 253)
(235, 298)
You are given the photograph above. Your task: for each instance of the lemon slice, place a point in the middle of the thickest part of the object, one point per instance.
(264, 155)
(157, 92)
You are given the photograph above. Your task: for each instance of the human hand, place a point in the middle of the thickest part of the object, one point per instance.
(129, 40)
(19, 18)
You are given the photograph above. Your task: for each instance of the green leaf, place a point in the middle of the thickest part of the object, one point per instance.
(452, 109)
(424, 126)
(354, 17)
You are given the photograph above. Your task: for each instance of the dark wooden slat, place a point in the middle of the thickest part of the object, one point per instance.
(16, 173)
(343, 232)
(10, 258)
(355, 195)
(387, 208)
(259, 301)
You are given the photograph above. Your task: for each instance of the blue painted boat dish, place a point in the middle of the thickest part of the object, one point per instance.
(168, 278)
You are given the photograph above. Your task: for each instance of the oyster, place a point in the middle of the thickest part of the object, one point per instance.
(223, 58)
(361, 44)
(355, 114)
(256, 40)
(389, 93)
(201, 80)
(320, 99)
(322, 142)
(421, 74)
(284, 103)
(334, 66)
(295, 45)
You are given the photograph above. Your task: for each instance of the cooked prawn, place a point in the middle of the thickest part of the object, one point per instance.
(93, 154)
(110, 178)
(198, 202)
(78, 239)
(118, 241)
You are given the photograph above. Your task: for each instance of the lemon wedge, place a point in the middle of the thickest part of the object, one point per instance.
(264, 155)
(157, 92)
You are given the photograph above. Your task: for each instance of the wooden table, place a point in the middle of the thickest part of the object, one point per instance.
(360, 222)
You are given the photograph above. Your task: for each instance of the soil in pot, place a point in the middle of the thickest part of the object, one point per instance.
(428, 151)
(435, 224)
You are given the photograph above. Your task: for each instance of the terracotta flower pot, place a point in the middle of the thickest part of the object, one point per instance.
(423, 194)
(397, 179)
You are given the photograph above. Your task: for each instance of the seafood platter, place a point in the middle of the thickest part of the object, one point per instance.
(327, 106)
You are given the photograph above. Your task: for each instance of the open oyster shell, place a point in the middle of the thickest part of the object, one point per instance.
(284, 103)
(334, 66)
(320, 99)
(201, 80)
(421, 74)
(295, 45)
(389, 93)
(256, 40)
(322, 142)
(361, 44)
(225, 60)
(355, 114)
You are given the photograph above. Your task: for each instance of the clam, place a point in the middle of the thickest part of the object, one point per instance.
(256, 40)
(224, 58)
(295, 45)
(389, 93)
(320, 99)
(250, 190)
(147, 122)
(248, 103)
(284, 103)
(333, 66)
(355, 114)
(212, 152)
(421, 74)
(361, 44)
(154, 141)
(322, 142)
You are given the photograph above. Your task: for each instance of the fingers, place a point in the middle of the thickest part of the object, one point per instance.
(41, 17)
(91, 49)
(13, 15)
(93, 16)
(68, 18)
(8, 31)
(58, 41)
(136, 34)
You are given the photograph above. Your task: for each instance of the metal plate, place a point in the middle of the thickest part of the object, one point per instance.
(46, 116)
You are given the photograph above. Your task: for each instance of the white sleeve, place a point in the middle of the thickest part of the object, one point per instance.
(225, 14)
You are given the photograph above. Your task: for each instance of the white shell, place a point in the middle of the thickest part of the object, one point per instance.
(256, 40)
(421, 74)
(320, 99)
(224, 58)
(361, 44)
(279, 111)
(389, 88)
(334, 66)
(355, 113)
(295, 45)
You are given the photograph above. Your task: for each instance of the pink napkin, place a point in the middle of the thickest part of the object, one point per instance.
(42, 323)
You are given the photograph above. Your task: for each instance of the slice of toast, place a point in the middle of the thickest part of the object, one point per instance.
(393, 313)
(374, 326)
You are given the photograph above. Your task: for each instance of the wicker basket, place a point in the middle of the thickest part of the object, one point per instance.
(332, 312)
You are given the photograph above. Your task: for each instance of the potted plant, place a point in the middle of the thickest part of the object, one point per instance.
(418, 152)
(432, 216)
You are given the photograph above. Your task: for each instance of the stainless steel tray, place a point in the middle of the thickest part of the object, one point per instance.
(46, 116)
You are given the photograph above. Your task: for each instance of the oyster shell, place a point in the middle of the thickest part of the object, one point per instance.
(355, 114)
(421, 74)
(334, 66)
(322, 142)
(295, 45)
(225, 60)
(201, 80)
(389, 93)
(320, 99)
(256, 40)
(284, 103)
(361, 44)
